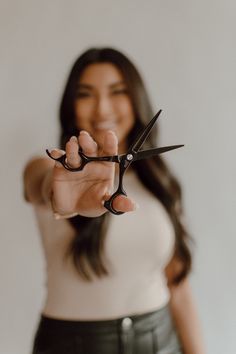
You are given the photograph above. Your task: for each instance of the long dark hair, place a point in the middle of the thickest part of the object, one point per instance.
(88, 245)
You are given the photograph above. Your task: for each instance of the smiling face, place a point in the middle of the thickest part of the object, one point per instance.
(103, 103)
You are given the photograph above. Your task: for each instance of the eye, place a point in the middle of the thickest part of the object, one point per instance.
(122, 91)
(82, 94)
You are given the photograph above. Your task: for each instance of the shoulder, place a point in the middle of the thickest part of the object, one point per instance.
(34, 171)
(36, 163)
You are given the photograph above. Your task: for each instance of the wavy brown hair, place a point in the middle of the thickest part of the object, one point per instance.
(87, 248)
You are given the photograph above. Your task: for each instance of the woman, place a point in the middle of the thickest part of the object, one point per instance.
(115, 284)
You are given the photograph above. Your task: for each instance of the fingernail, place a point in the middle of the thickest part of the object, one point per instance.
(84, 132)
(73, 138)
(56, 153)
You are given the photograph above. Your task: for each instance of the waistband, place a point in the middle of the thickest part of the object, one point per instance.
(146, 321)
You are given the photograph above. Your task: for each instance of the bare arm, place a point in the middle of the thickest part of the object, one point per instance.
(185, 315)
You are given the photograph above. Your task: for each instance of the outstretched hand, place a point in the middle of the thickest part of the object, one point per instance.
(84, 192)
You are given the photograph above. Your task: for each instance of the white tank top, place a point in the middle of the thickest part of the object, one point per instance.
(138, 247)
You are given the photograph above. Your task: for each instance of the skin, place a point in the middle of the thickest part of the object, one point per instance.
(103, 103)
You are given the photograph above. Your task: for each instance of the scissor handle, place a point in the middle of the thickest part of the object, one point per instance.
(108, 203)
(62, 160)
(84, 160)
(125, 161)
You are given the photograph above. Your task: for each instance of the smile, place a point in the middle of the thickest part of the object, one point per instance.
(105, 125)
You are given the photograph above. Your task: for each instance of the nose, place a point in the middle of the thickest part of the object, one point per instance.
(104, 107)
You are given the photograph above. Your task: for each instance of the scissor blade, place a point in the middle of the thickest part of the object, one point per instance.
(145, 154)
(144, 134)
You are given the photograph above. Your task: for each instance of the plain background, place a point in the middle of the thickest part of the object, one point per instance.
(186, 52)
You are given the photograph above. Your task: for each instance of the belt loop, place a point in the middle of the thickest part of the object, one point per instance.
(127, 335)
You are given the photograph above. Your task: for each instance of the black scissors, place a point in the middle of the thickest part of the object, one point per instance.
(124, 161)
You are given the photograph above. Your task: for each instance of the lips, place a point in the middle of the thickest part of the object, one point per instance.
(105, 125)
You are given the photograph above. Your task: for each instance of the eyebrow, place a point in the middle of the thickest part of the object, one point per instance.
(118, 83)
(90, 87)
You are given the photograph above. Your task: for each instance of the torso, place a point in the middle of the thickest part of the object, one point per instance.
(138, 247)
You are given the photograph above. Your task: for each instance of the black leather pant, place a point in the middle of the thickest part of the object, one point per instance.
(150, 333)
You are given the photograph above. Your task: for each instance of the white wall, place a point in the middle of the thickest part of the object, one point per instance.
(186, 52)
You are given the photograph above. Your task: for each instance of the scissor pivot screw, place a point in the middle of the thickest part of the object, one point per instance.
(129, 157)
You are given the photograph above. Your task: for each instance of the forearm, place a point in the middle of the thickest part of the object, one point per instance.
(186, 319)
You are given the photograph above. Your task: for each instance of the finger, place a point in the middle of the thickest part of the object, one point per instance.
(110, 143)
(124, 204)
(88, 145)
(56, 153)
(72, 148)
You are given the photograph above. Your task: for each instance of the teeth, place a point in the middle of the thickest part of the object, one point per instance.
(104, 125)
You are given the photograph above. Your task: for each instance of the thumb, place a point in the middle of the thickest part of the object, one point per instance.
(124, 204)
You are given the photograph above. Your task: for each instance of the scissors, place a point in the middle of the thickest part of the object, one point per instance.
(124, 161)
